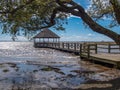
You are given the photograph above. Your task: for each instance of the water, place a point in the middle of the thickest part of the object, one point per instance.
(24, 51)
(23, 67)
(21, 63)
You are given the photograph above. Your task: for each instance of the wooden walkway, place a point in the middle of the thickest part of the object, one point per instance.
(96, 51)
(105, 53)
(71, 47)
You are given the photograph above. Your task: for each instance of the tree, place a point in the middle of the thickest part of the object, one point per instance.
(32, 15)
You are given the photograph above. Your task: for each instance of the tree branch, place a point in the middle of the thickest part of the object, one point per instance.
(53, 16)
(92, 24)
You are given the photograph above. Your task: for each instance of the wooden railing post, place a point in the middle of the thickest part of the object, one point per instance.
(63, 45)
(80, 50)
(84, 47)
(75, 46)
(68, 46)
(52, 45)
(88, 50)
(95, 48)
(55, 45)
(109, 48)
(59, 45)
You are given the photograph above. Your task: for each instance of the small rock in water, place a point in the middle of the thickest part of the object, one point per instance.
(70, 75)
(52, 85)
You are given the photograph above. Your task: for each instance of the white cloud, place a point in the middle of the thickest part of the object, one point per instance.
(78, 22)
(106, 18)
(72, 16)
(90, 34)
(88, 37)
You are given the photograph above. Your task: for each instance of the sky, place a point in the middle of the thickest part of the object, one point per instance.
(74, 31)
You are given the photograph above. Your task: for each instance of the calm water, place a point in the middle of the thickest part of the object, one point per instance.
(22, 64)
(24, 51)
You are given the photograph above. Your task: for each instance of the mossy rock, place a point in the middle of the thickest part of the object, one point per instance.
(2, 65)
(6, 70)
(13, 65)
(49, 68)
(35, 71)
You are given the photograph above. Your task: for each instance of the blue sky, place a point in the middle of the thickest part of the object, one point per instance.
(75, 30)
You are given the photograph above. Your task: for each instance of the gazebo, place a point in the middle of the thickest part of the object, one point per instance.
(46, 38)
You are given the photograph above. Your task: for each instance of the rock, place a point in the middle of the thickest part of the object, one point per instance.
(52, 85)
(70, 75)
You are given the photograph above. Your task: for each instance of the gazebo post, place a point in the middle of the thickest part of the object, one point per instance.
(39, 40)
(48, 40)
(55, 42)
(58, 43)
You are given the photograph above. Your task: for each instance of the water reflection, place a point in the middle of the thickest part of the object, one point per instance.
(23, 67)
(26, 67)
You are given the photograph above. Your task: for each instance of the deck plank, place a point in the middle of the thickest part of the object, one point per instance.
(108, 56)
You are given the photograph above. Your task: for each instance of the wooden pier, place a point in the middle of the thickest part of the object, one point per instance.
(105, 52)
(108, 53)
(71, 47)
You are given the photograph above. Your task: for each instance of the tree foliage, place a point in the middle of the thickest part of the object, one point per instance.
(101, 9)
(33, 15)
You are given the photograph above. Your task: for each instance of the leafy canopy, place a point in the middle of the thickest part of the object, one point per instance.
(28, 15)
(101, 9)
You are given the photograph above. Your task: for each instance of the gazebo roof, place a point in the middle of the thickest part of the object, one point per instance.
(46, 33)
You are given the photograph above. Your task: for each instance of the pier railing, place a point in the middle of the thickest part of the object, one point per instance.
(95, 51)
(108, 48)
(101, 52)
(73, 47)
(63, 46)
(82, 47)
(87, 49)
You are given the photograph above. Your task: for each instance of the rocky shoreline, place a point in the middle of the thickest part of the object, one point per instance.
(93, 77)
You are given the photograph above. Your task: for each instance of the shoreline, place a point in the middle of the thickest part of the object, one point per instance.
(90, 84)
(51, 69)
